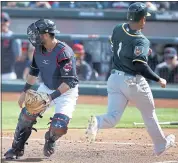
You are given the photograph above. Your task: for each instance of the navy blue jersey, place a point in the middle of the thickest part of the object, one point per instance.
(55, 67)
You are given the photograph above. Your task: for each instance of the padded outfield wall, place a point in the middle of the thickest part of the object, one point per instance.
(95, 89)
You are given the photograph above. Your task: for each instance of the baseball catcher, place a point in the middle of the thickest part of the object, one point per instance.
(56, 63)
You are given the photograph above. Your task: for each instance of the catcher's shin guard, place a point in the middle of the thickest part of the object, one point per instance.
(57, 129)
(22, 133)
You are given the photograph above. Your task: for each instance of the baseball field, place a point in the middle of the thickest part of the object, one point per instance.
(124, 144)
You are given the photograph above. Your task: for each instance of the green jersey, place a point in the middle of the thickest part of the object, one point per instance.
(129, 46)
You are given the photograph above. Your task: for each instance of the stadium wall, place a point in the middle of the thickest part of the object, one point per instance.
(171, 92)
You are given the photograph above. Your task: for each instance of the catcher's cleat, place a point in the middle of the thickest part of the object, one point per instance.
(92, 129)
(13, 153)
(170, 143)
(49, 147)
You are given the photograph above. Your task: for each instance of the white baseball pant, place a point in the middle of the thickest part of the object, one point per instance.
(64, 104)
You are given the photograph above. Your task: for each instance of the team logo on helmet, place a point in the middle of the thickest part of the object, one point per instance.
(138, 50)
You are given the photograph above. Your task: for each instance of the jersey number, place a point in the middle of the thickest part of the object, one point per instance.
(119, 49)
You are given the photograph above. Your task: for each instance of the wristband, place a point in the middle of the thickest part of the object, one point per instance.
(27, 87)
(55, 94)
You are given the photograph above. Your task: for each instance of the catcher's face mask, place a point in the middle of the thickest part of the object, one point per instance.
(34, 35)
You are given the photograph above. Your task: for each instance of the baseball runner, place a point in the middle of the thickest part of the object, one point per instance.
(56, 62)
(127, 80)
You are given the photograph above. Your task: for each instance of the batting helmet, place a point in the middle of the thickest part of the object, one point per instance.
(137, 11)
(41, 26)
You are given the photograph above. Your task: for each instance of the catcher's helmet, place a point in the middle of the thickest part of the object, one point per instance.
(41, 26)
(137, 11)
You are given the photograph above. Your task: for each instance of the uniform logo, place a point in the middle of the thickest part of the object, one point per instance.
(46, 62)
(67, 67)
(138, 50)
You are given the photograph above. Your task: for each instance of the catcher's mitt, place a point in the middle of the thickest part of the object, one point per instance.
(36, 102)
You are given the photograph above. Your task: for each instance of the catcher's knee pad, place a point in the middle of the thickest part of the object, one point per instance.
(58, 126)
(23, 129)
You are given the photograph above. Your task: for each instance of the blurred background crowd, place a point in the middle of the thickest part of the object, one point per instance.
(163, 60)
(156, 6)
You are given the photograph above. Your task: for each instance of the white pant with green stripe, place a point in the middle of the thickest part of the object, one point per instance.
(123, 88)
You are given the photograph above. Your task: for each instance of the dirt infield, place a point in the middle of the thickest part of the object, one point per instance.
(101, 100)
(111, 146)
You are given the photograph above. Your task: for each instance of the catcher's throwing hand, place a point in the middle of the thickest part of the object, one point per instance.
(36, 102)
(21, 99)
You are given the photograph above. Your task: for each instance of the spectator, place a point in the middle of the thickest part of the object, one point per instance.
(17, 4)
(169, 69)
(94, 48)
(163, 6)
(90, 4)
(120, 5)
(151, 6)
(22, 4)
(156, 56)
(65, 4)
(54, 4)
(40, 4)
(174, 6)
(154, 6)
(11, 4)
(11, 49)
(106, 4)
(22, 66)
(28, 62)
(84, 71)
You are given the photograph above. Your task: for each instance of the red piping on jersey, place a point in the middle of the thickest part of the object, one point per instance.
(62, 59)
(48, 54)
(51, 51)
(57, 61)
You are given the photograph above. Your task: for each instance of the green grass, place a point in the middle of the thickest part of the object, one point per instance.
(10, 112)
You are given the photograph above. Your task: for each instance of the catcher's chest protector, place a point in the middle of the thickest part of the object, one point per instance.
(52, 71)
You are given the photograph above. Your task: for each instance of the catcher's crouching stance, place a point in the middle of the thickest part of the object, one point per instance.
(56, 63)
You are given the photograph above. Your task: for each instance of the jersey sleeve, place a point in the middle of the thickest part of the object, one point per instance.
(140, 51)
(67, 66)
(68, 72)
(65, 62)
(34, 70)
(64, 54)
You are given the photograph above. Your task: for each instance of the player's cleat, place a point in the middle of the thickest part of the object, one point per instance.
(49, 147)
(13, 153)
(170, 143)
(92, 129)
